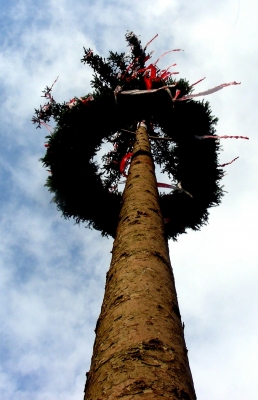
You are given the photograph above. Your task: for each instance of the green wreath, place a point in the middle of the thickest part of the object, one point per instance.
(126, 92)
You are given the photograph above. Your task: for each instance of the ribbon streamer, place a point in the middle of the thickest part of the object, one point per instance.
(75, 101)
(47, 126)
(159, 184)
(220, 137)
(205, 93)
(165, 54)
(152, 74)
(145, 47)
(177, 94)
(166, 185)
(85, 101)
(230, 162)
(72, 103)
(90, 52)
(138, 91)
(51, 87)
(195, 83)
(187, 97)
(123, 163)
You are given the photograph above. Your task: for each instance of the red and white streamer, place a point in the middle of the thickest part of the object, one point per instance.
(166, 185)
(165, 54)
(205, 93)
(177, 94)
(124, 162)
(138, 91)
(53, 83)
(90, 52)
(230, 162)
(220, 137)
(200, 80)
(73, 102)
(47, 126)
(178, 187)
(145, 47)
(151, 73)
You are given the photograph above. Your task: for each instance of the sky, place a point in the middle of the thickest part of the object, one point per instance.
(52, 271)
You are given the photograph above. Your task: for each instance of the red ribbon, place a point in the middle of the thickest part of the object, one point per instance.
(165, 185)
(195, 83)
(220, 137)
(230, 162)
(151, 72)
(123, 166)
(123, 163)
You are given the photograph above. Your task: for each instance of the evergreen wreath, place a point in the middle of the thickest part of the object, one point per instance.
(126, 92)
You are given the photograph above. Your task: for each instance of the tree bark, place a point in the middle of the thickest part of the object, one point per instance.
(139, 350)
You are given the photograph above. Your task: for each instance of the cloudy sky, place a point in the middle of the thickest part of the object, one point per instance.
(52, 272)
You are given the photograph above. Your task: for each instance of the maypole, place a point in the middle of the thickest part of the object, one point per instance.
(149, 118)
(140, 349)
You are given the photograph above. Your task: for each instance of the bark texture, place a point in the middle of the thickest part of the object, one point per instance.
(139, 350)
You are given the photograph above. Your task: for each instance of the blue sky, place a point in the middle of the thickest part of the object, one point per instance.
(52, 272)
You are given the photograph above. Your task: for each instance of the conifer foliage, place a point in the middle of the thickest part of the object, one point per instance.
(126, 89)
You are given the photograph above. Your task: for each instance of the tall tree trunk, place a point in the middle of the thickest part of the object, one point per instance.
(139, 350)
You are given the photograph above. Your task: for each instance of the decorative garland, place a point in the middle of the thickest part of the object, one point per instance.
(88, 192)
